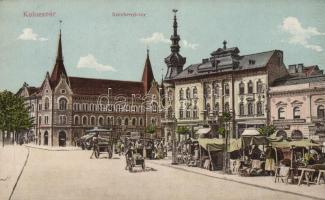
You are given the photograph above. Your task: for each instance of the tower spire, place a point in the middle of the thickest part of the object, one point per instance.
(59, 56)
(175, 37)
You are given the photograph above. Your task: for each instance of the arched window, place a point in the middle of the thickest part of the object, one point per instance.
(153, 121)
(84, 120)
(109, 121)
(194, 92)
(62, 104)
(181, 94)
(126, 122)
(226, 89)
(208, 108)
(227, 107)
(250, 87)
(259, 108)
(188, 93)
(241, 109)
(141, 122)
(134, 122)
(250, 109)
(296, 113)
(92, 120)
(320, 111)
(181, 115)
(281, 133)
(119, 121)
(241, 88)
(63, 119)
(188, 111)
(76, 120)
(195, 112)
(207, 90)
(296, 134)
(101, 121)
(154, 107)
(47, 103)
(259, 86)
(281, 113)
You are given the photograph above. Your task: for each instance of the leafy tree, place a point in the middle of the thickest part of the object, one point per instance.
(14, 115)
(183, 130)
(221, 131)
(151, 129)
(267, 130)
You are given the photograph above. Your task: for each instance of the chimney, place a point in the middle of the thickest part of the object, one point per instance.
(292, 69)
(300, 67)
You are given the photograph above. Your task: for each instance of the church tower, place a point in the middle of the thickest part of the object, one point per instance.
(174, 61)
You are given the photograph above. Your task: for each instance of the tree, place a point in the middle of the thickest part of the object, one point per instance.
(183, 130)
(14, 115)
(267, 130)
(151, 129)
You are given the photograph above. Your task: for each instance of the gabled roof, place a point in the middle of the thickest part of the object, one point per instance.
(90, 86)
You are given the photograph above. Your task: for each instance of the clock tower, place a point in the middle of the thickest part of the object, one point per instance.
(174, 61)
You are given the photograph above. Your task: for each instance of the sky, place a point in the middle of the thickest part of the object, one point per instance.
(100, 43)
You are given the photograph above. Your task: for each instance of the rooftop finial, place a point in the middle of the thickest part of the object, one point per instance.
(147, 51)
(224, 44)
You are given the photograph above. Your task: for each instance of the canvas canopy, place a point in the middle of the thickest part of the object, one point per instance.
(254, 140)
(250, 132)
(215, 144)
(296, 143)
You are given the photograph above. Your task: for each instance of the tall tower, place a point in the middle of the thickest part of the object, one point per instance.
(174, 61)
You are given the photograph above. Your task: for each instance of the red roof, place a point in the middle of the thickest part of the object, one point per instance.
(89, 86)
(147, 76)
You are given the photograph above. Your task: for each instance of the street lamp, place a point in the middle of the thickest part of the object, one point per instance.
(174, 153)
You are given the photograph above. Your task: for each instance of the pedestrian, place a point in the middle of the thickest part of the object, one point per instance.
(95, 140)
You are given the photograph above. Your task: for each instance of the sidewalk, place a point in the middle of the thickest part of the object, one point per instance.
(12, 159)
(263, 182)
(55, 148)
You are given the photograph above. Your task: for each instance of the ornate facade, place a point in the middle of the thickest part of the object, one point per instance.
(298, 103)
(64, 107)
(224, 82)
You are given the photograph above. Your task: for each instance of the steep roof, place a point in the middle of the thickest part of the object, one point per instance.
(147, 76)
(227, 63)
(293, 80)
(89, 86)
(58, 66)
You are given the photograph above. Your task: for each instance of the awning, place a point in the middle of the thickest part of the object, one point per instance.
(216, 144)
(250, 132)
(202, 131)
(96, 129)
(297, 143)
(254, 140)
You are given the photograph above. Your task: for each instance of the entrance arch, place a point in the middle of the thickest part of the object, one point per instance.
(62, 138)
(281, 133)
(296, 134)
(46, 138)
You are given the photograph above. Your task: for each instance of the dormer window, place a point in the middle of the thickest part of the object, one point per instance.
(251, 62)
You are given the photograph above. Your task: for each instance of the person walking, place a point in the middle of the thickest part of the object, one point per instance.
(94, 142)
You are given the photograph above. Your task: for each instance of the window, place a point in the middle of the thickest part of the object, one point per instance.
(259, 108)
(216, 89)
(250, 87)
(76, 120)
(181, 114)
(47, 103)
(227, 89)
(134, 122)
(208, 109)
(119, 121)
(281, 113)
(194, 92)
(39, 120)
(250, 109)
(241, 109)
(32, 108)
(46, 119)
(181, 94)
(227, 107)
(207, 90)
(195, 112)
(62, 119)
(241, 88)
(40, 106)
(320, 111)
(216, 109)
(101, 121)
(259, 86)
(188, 112)
(92, 121)
(169, 113)
(84, 120)
(126, 122)
(153, 121)
(141, 122)
(251, 62)
(62, 104)
(188, 93)
(154, 107)
(296, 113)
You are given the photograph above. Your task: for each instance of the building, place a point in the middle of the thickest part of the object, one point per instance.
(224, 82)
(64, 107)
(298, 103)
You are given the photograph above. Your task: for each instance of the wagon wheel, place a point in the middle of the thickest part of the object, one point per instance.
(97, 153)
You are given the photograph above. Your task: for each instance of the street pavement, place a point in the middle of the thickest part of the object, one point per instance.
(69, 175)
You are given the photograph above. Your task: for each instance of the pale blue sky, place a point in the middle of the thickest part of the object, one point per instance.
(90, 32)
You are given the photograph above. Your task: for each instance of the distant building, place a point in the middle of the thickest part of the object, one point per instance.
(224, 82)
(64, 107)
(298, 103)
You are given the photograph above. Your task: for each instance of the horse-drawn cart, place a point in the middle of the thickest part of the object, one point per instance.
(103, 147)
(135, 160)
